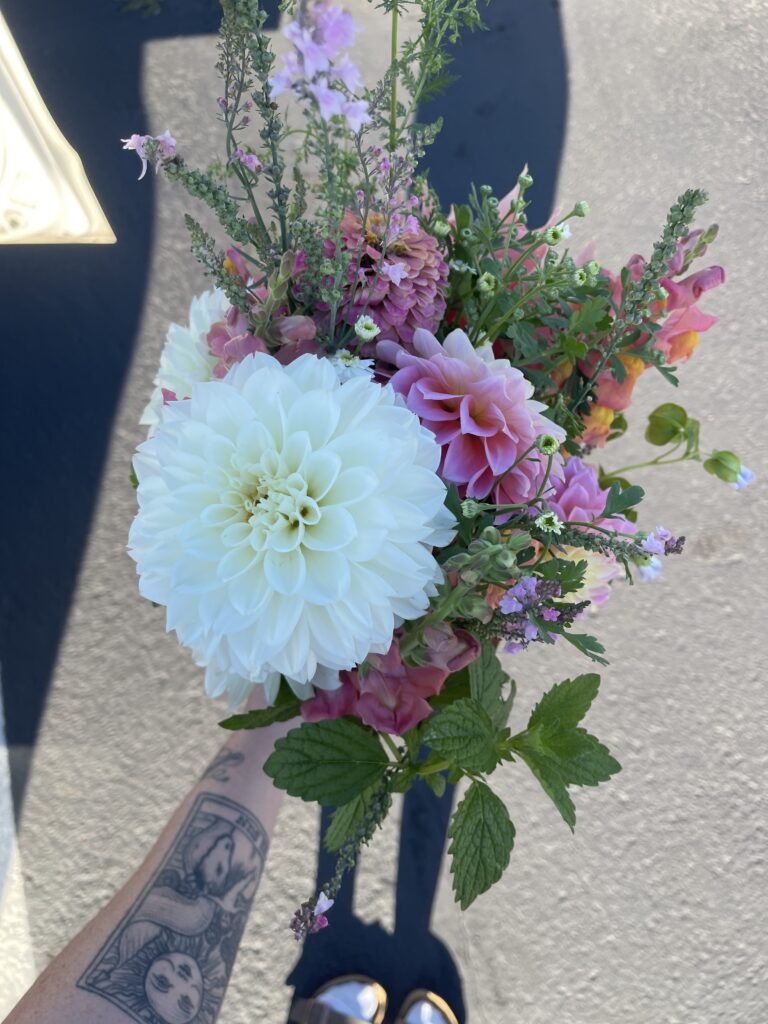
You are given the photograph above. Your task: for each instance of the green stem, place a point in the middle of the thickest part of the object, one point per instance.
(433, 769)
(389, 742)
(659, 461)
(393, 84)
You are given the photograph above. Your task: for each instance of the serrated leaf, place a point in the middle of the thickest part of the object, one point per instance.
(588, 645)
(587, 317)
(261, 717)
(464, 734)
(331, 762)
(482, 837)
(345, 820)
(557, 750)
(546, 771)
(486, 683)
(567, 702)
(436, 783)
(582, 759)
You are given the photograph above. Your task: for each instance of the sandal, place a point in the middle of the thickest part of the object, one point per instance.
(350, 999)
(422, 1007)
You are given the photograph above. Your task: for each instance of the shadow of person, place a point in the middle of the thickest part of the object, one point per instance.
(409, 957)
(70, 321)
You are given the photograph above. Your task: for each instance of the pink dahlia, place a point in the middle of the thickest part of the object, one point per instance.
(402, 278)
(480, 410)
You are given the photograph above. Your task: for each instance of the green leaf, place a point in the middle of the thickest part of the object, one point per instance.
(436, 782)
(666, 424)
(134, 479)
(464, 734)
(263, 716)
(570, 575)
(456, 688)
(618, 500)
(587, 317)
(331, 762)
(486, 683)
(724, 465)
(545, 769)
(482, 837)
(588, 645)
(557, 750)
(345, 820)
(567, 702)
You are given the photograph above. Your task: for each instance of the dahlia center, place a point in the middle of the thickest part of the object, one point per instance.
(278, 509)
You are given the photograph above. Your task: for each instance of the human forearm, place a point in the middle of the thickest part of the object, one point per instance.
(163, 948)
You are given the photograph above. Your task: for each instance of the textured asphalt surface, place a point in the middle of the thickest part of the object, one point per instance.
(655, 909)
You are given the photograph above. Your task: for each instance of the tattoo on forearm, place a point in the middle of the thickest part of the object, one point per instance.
(170, 958)
(220, 766)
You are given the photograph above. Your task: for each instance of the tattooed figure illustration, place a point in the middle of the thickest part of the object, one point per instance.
(170, 959)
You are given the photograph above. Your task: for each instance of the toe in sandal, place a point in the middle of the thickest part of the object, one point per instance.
(423, 996)
(312, 1011)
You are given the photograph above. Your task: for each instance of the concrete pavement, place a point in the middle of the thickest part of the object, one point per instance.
(655, 910)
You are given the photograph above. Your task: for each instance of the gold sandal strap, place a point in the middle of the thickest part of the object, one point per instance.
(309, 1011)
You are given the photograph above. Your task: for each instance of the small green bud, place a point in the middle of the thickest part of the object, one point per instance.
(470, 508)
(593, 268)
(491, 535)
(581, 209)
(441, 228)
(486, 283)
(548, 444)
(580, 277)
(467, 233)
(506, 559)
(493, 202)
(486, 190)
(525, 180)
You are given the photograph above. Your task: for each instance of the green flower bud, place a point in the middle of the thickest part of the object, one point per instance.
(548, 444)
(441, 228)
(486, 190)
(525, 180)
(470, 508)
(491, 535)
(581, 209)
(486, 283)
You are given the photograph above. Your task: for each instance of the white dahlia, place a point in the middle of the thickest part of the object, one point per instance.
(286, 520)
(185, 359)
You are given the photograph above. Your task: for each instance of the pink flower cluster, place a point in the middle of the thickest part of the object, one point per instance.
(316, 67)
(390, 695)
(397, 275)
(481, 411)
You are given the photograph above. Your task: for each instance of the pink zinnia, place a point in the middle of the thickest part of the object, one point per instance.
(402, 279)
(479, 409)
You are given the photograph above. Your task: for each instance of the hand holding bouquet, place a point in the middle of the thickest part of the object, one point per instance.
(368, 469)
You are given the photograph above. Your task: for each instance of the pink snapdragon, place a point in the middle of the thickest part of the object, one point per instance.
(388, 694)
(248, 160)
(166, 149)
(481, 411)
(231, 341)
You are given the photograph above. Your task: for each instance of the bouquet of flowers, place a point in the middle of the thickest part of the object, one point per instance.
(368, 467)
